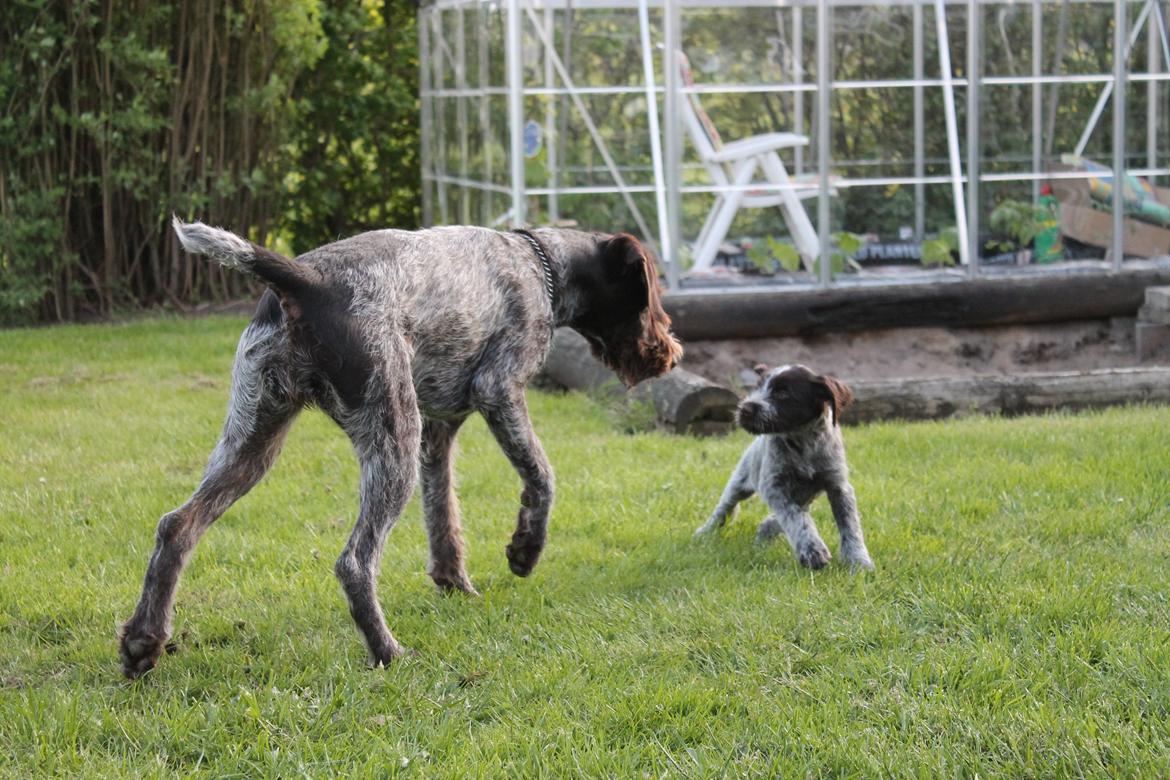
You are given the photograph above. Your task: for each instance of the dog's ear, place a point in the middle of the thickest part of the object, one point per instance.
(760, 370)
(837, 394)
(623, 257)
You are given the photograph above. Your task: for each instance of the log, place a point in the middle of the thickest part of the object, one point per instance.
(683, 402)
(687, 403)
(1083, 295)
(941, 397)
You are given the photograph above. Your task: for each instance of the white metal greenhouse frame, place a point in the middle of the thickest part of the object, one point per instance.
(534, 19)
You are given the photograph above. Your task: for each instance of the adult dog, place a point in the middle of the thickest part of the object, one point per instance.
(399, 336)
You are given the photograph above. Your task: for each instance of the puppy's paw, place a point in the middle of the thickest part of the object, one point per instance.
(857, 559)
(814, 555)
(139, 650)
(706, 529)
(768, 530)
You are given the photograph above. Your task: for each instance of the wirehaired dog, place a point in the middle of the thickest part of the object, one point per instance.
(398, 336)
(798, 453)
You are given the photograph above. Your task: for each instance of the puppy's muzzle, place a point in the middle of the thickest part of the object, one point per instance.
(748, 416)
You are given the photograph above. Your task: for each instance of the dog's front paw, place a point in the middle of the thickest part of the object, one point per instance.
(814, 555)
(140, 651)
(524, 551)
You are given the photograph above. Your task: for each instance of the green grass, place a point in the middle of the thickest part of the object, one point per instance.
(1017, 624)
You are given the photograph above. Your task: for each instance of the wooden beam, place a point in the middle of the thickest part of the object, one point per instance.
(985, 301)
(939, 398)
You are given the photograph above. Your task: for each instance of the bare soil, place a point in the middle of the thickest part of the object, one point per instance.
(899, 353)
(902, 353)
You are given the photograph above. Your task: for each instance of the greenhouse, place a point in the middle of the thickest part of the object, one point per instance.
(804, 143)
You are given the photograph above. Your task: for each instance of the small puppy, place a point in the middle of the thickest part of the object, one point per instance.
(798, 453)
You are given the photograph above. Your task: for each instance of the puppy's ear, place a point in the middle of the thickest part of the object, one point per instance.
(760, 369)
(838, 395)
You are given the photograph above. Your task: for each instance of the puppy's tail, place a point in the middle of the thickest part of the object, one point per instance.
(231, 251)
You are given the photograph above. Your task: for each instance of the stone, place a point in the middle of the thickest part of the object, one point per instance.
(1152, 340)
(1158, 298)
(1148, 313)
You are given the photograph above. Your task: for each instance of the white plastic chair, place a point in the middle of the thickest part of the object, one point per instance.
(736, 165)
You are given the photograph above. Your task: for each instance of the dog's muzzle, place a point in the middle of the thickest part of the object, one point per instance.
(747, 416)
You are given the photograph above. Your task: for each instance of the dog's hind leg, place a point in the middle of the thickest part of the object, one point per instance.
(728, 506)
(385, 433)
(441, 507)
(259, 414)
(507, 417)
(737, 490)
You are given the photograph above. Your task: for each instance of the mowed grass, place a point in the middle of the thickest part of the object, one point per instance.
(1017, 623)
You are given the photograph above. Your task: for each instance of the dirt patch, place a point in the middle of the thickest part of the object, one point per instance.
(900, 353)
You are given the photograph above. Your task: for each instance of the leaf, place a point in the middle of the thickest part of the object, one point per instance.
(937, 252)
(950, 236)
(785, 254)
(849, 243)
(760, 257)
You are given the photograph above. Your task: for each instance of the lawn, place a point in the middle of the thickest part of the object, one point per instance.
(1017, 623)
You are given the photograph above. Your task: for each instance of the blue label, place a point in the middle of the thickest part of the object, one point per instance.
(532, 139)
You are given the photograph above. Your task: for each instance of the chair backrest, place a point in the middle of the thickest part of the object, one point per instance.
(699, 125)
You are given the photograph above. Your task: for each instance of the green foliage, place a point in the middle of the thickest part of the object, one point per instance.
(117, 114)
(767, 254)
(290, 122)
(354, 142)
(841, 258)
(936, 252)
(761, 257)
(785, 254)
(770, 252)
(849, 243)
(1016, 625)
(940, 251)
(1015, 219)
(30, 251)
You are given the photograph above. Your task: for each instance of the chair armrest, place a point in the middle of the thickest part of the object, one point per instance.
(757, 144)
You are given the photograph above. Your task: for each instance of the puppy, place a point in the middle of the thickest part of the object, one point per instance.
(797, 455)
(399, 336)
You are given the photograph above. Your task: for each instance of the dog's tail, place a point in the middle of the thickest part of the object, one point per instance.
(231, 251)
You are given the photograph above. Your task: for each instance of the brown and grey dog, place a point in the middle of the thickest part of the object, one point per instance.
(798, 454)
(399, 336)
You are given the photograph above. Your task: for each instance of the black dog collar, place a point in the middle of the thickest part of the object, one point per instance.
(545, 263)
